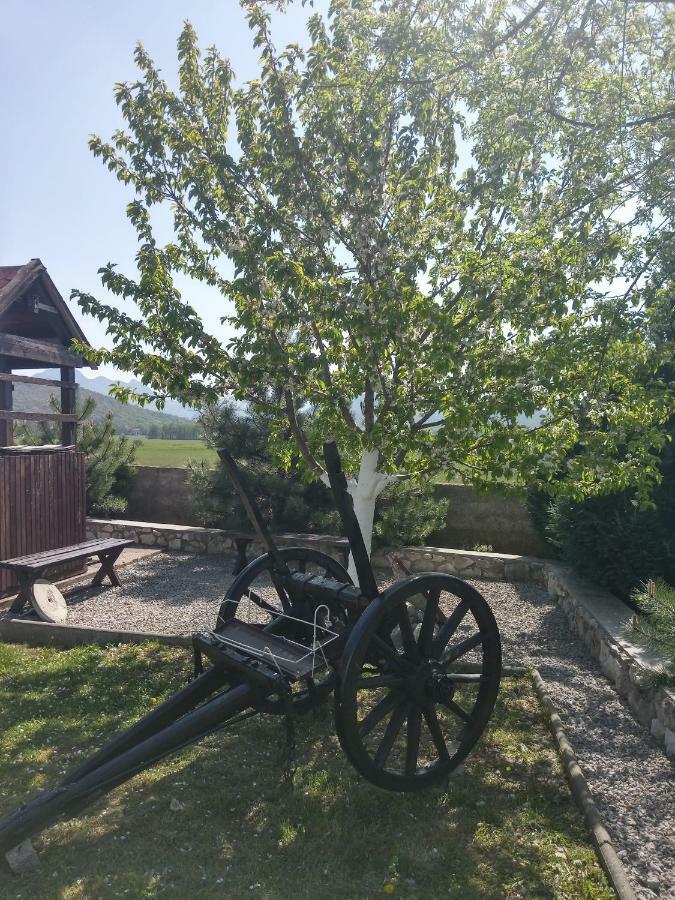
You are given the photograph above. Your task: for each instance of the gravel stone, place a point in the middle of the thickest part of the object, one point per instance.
(631, 778)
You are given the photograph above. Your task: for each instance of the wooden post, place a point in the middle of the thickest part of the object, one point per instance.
(68, 402)
(6, 426)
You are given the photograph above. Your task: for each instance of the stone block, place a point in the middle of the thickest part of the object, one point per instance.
(22, 857)
(461, 562)
(669, 739)
(658, 729)
(664, 702)
(492, 569)
(517, 571)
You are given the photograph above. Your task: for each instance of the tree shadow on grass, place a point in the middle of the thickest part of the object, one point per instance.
(492, 832)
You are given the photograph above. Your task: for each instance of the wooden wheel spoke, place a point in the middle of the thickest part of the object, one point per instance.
(407, 634)
(450, 626)
(379, 681)
(263, 604)
(378, 712)
(436, 733)
(426, 636)
(463, 647)
(391, 733)
(388, 651)
(457, 710)
(413, 740)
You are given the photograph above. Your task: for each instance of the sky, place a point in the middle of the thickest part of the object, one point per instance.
(59, 62)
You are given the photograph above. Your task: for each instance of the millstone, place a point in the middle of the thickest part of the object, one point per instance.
(48, 602)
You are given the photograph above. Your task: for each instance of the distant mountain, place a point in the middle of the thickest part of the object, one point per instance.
(127, 417)
(102, 385)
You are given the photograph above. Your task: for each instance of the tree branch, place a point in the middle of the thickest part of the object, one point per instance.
(631, 123)
(299, 436)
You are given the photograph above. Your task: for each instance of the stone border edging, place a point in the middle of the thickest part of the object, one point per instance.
(583, 796)
(48, 634)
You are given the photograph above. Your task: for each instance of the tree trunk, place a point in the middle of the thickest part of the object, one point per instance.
(365, 492)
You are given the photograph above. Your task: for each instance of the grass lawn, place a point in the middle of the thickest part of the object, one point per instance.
(505, 828)
(155, 452)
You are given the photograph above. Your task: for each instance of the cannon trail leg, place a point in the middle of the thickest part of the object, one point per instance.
(68, 799)
(177, 705)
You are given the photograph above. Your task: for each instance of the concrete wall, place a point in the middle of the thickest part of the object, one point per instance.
(159, 494)
(163, 495)
(499, 521)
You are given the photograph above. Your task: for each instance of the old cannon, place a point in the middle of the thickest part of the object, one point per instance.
(414, 669)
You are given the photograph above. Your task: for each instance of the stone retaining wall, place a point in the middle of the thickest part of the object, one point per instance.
(471, 564)
(192, 539)
(600, 621)
(184, 538)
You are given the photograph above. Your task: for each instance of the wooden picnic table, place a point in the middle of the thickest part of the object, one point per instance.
(33, 566)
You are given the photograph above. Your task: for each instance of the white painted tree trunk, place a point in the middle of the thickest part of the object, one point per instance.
(365, 490)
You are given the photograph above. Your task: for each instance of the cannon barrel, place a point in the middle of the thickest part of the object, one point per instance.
(71, 797)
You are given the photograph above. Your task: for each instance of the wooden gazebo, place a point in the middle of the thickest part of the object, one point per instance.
(42, 489)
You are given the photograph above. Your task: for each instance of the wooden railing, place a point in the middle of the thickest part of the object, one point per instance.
(67, 417)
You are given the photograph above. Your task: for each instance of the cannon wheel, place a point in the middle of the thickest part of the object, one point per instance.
(256, 585)
(419, 680)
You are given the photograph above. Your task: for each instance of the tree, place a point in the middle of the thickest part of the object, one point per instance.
(447, 212)
(287, 500)
(108, 456)
(290, 502)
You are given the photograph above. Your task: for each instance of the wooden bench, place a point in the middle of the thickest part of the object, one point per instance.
(242, 540)
(30, 568)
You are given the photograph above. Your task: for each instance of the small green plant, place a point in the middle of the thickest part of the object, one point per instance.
(408, 515)
(654, 626)
(288, 500)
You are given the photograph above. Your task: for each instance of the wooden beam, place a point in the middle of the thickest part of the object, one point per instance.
(29, 379)
(20, 283)
(63, 308)
(32, 351)
(68, 397)
(6, 428)
(9, 415)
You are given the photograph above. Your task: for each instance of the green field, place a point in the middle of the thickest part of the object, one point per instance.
(155, 452)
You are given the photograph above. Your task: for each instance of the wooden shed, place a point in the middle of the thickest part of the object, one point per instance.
(42, 489)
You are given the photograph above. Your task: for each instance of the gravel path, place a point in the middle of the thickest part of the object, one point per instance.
(632, 781)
